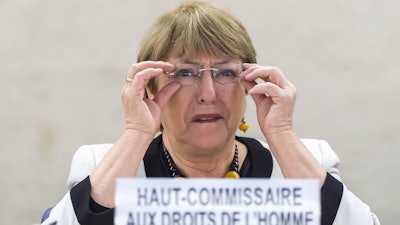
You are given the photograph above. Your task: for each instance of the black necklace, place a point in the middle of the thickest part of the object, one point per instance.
(232, 173)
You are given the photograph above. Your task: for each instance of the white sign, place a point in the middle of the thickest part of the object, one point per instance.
(166, 201)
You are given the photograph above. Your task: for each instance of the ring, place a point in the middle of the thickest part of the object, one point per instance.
(128, 79)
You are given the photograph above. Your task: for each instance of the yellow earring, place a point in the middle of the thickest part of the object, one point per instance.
(244, 126)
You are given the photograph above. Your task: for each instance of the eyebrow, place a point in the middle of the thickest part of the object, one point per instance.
(189, 61)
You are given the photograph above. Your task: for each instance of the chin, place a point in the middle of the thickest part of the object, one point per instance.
(209, 140)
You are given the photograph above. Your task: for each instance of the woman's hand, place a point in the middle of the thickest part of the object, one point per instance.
(142, 119)
(143, 114)
(274, 98)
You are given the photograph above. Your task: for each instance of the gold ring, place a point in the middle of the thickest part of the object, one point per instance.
(128, 79)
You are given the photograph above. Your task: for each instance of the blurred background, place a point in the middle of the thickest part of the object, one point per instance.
(63, 63)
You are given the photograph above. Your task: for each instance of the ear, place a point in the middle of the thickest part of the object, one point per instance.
(148, 94)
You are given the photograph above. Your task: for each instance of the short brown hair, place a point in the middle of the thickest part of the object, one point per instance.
(196, 28)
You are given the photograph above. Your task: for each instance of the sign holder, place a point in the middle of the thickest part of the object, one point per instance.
(166, 201)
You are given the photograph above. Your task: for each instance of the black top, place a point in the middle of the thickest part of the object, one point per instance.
(257, 164)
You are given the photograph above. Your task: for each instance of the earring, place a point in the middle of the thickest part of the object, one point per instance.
(244, 126)
(161, 128)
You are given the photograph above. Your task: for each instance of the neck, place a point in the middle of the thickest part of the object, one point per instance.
(213, 164)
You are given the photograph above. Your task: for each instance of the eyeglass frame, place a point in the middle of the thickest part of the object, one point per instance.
(199, 74)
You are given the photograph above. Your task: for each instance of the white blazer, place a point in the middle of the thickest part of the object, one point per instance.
(352, 211)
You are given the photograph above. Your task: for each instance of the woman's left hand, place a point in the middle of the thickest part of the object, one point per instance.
(274, 98)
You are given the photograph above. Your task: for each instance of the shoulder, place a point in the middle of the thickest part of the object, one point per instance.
(85, 159)
(320, 149)
(96, 152)
(323, 152)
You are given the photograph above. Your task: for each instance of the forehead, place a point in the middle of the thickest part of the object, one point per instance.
(203, 60)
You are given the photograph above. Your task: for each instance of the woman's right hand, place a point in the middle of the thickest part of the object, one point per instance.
(142, 120)
(143, 114)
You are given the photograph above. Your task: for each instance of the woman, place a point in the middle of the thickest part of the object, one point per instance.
(195, 66)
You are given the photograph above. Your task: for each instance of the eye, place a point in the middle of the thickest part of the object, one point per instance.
(185, 73)
(227, 73)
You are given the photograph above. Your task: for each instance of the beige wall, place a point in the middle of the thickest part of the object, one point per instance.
(63, 63)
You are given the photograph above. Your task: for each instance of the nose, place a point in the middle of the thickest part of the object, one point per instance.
(206, 87)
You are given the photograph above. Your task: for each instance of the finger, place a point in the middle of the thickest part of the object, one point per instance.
(163, 96)
(268, 89)
(266, 73)
(137, 67)
(139, 82)
(249, 69)
(248, 84)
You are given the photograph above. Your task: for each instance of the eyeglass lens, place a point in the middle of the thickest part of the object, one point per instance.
(187, 74)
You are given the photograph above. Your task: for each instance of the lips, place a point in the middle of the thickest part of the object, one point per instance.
(206, 118)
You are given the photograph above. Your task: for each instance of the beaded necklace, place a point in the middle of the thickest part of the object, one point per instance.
(232, 173)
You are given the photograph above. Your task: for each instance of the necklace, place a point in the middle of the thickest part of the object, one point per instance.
(174, 171)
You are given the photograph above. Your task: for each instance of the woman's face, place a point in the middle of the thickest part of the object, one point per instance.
(204, 114)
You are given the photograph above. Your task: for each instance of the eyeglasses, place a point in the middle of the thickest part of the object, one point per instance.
(188, 74)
